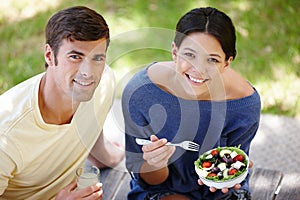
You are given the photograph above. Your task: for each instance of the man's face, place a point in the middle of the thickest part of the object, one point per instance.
(78, 70)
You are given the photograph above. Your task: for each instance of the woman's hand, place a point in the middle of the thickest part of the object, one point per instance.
(225, 190)
(157, 154)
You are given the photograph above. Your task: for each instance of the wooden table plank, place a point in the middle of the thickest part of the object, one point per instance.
(264, 183)
(124, 188)
(112, 181)
(290, 187)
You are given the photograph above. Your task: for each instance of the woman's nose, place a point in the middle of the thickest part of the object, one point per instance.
(199, 66)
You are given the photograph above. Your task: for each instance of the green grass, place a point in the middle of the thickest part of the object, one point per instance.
(268, 41)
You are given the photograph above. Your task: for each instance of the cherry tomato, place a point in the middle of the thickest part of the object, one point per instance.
(206, 164)
(214, 152)
(239, 158)
(232, 171)
(212, 174)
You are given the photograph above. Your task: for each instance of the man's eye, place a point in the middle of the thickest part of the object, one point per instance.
(75, 57)
(99, 58)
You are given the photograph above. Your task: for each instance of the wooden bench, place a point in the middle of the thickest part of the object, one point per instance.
(274, 185)
(265, 184)
(115, 184)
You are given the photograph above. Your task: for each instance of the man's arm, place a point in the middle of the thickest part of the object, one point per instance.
(6, 167)
(106, 153)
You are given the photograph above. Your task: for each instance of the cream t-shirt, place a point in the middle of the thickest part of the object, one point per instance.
(38, 159)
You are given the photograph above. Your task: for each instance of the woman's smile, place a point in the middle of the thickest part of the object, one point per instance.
(196, 80)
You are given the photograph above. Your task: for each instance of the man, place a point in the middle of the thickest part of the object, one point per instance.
(50, 123)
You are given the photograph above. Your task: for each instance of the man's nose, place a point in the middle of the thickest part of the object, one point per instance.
(86, 68)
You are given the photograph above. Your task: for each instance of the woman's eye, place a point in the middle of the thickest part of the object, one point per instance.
(213, 60)
(190, 55)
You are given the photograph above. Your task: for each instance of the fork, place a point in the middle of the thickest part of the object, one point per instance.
(187, 145)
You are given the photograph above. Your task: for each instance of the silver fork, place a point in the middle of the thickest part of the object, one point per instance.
(187, 145)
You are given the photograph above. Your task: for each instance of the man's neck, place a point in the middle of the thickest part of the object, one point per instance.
(53, 107)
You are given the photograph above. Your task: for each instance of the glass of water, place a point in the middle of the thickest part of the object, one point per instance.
(87, 176)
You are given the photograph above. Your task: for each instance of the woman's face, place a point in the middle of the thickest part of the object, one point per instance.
(200, 62)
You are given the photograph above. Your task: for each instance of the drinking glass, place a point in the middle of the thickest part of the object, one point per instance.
(87, 176)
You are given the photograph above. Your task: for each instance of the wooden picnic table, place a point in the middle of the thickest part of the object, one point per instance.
(265, 184)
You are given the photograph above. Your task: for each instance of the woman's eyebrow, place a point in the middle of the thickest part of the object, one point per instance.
(189, 49)
(216, 55)
(209, 54)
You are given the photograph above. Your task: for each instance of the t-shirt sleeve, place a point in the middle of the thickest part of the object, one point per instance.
(7, 166)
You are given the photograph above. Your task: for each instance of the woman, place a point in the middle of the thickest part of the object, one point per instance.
(196, 97)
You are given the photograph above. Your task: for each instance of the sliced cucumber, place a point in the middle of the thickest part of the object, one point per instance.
(202, 173)
(222, 166)
(224, 151)
(225, 173)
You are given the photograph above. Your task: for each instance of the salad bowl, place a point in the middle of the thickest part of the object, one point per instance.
(222, 167)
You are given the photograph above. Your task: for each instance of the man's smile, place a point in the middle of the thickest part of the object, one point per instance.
(83, 82)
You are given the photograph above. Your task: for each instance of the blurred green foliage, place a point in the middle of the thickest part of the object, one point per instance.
(268, 41)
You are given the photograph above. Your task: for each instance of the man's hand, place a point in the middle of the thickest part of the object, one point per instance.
(69, 192)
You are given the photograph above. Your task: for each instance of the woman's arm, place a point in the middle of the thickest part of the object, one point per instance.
(156, 155)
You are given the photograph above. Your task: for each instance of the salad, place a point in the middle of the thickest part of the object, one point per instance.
(222, 163)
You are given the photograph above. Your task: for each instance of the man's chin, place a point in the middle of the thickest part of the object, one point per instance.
(83, 98)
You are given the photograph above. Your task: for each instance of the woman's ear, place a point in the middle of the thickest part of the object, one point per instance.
(174, 51)
(227, 63)
(49, 55)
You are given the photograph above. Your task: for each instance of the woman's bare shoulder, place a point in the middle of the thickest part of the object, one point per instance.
(161, 74)
(237, 86)
(160, 71)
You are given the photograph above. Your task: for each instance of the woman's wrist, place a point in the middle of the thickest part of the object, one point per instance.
(153, 175)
